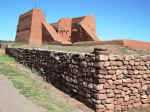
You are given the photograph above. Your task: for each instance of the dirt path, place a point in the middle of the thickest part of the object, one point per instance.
(12, 101)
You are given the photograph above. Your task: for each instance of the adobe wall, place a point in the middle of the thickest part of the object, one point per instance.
(78, 34)
(34, 29)
(135, 44)
(111, 42)
(24, 27)
(64, 28)
(104, 82)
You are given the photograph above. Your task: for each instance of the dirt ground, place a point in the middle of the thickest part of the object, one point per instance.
(12, 101)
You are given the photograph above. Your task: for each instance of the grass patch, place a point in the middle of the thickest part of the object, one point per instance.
(123, 50)
(16, 44)
(84, 49)
(33, 89)
(112, 49)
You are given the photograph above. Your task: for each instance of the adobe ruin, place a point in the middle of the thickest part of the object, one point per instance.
(34, 29)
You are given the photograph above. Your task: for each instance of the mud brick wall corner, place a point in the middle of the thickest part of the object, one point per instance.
(106, 83)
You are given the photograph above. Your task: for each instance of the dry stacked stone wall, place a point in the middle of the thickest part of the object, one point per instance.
(71, 72)
(106, 83)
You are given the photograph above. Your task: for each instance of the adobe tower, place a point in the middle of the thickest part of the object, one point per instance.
(34, 29)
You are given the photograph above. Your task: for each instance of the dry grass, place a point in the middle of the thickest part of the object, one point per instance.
(112, 49)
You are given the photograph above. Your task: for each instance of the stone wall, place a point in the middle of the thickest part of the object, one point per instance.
(124, 82)
(71, 72)
(106, 83)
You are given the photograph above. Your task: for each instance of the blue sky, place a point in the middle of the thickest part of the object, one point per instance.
(116, 19)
